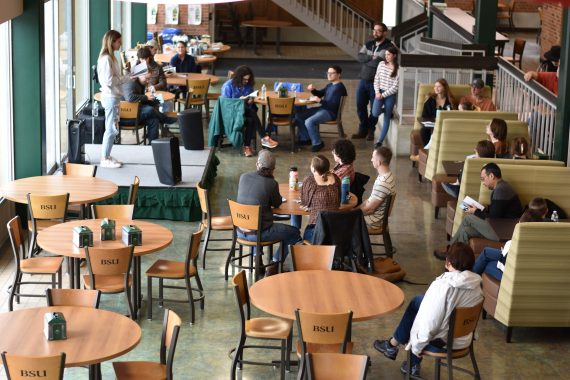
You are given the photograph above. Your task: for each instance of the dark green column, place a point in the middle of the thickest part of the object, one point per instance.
(562, 128)
(138, 23)
(486, 24)
(99, 24)
(27, 32)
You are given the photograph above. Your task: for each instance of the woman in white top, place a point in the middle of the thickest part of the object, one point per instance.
(386, 89)
(111, 80)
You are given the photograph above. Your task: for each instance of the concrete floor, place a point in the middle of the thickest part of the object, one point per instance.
(203, 347)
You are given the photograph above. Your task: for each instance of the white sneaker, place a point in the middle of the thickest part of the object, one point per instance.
(109, 164)
(115, 160)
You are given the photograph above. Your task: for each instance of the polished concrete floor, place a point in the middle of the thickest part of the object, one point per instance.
(202, 350)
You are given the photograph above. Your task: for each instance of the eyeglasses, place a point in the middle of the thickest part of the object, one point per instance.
(331, 72)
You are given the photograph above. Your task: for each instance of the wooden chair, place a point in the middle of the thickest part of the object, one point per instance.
(312, 257)
(129, 114)
(23, 367)
(384, 230)
(134, 190)
(505, 11)
(109, 271)
(320, 333)
(518, 50)
(155, 370)
(281, 114)
(335, 366)
(211, 223)
(197, 97)
(259, 328)
(44, 211)
(248, 218)
(73, 297)
(175, 270)
(337, 121)
(79, 170)
(462, 322)
(34, 265)
(112, 211)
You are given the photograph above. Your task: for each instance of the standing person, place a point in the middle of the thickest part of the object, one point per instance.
(329, 97)
(383, 186)
(386, 83)
(111, 80)
(440, 98)
(425, 323)
(260, 188)
(370, 55)
(240, 85)
(476, 98)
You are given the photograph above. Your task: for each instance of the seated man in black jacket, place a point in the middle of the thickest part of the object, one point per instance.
(505, 204)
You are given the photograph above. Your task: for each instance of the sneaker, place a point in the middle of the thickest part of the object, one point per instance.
(247, 151)
(109, 164)
(268, 142)
(115, 160)
(415, 370)
(441, 253)
(378, 144)
(386, 348)
(370, 135)
(359, 135)
(318, 147)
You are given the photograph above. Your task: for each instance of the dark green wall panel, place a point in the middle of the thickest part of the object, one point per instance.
(138, 23)
(99, 24)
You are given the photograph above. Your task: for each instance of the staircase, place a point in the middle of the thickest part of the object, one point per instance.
(342, 25)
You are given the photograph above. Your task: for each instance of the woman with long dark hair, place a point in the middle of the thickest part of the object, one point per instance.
(386, 84)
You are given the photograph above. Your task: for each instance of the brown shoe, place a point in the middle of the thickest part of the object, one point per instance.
(441, 253)
(272, 270)
(359, 135)
(370, 135)
(247, 151)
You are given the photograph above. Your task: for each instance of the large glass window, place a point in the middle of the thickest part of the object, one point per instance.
(52, 88)
(6, 122)
(121, 21)
(81, 69)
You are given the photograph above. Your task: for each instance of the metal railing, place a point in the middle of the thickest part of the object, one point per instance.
(531, 101)
(436, 47)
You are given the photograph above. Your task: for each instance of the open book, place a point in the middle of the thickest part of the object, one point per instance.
(468, 201)
(504, 251)
(253, 94)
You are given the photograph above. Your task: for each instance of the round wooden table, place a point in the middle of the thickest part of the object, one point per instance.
(301, 98)
(219, 50)
(179, 79)
(93, 335)
(200, 59)
(82, 190)
(57, 239)
(321, 291)
(166, 96)
(266, 24)
(292, 207)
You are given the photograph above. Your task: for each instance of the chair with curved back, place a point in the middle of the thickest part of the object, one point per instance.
(176, 270)
(23, 367)
(112, 211)
(281, 114)
(338, 121)
(505, 11)
(211, 223)
(312, 257)
(33, 265)
(248, 218)
(335, 366)
(462, 322)
(155, 370)
(259, 328)
(518, 50)
(129, 119)
(79, 170)
(322, 333)
(109, 271)
(196, 98)
(73, 297)
(134, 190)
(44, 211)
(384, 230)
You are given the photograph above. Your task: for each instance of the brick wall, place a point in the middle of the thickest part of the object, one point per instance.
(203, 28)
(467, 5)
(551, 26)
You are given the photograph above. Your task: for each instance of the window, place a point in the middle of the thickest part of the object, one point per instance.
(52, 94)
(6, 122)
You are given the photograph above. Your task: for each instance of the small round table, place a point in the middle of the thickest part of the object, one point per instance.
(179, 79)
(217, 50)
(291, 207)
(320, 291)
(58, 239)
(93, 335)
(166, 96)
(82, 190)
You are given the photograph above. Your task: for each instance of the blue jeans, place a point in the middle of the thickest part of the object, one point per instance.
(296, 221)
(402, 333)
(278, 231)
(309, 232)
(308, 123)
(487, 263)
(152, 118)
(385, 105)
(111, 105)
(364, 96)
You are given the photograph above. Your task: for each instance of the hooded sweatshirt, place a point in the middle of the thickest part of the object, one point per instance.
(448, 291)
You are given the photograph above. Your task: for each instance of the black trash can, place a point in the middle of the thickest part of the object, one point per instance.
(190, 123)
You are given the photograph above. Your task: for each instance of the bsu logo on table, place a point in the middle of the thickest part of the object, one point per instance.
(34, 373)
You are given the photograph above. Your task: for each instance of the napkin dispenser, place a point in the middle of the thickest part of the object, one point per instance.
(82, 236)
(131, 235)
(108, 229)
(55, 326)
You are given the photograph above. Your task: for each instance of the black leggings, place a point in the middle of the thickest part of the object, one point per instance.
(251, 124)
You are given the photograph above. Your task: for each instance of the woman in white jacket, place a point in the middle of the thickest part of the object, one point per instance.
(111, 80)
(425, 323)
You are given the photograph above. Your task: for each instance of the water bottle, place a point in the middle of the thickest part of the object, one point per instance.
(294, 89)
(293, 178)
(344, 190)
(95, 109)
(554, 216)
(264, 92)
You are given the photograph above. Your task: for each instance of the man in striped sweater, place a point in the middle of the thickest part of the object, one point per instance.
(383, 186)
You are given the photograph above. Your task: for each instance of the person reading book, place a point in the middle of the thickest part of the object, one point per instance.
(505, 204)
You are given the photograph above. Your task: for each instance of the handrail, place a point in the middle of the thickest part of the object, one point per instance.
(449, 62)
(451, 24)
(360, 11)
(406, 28)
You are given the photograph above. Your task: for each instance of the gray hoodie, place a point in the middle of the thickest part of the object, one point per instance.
(448, 291)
